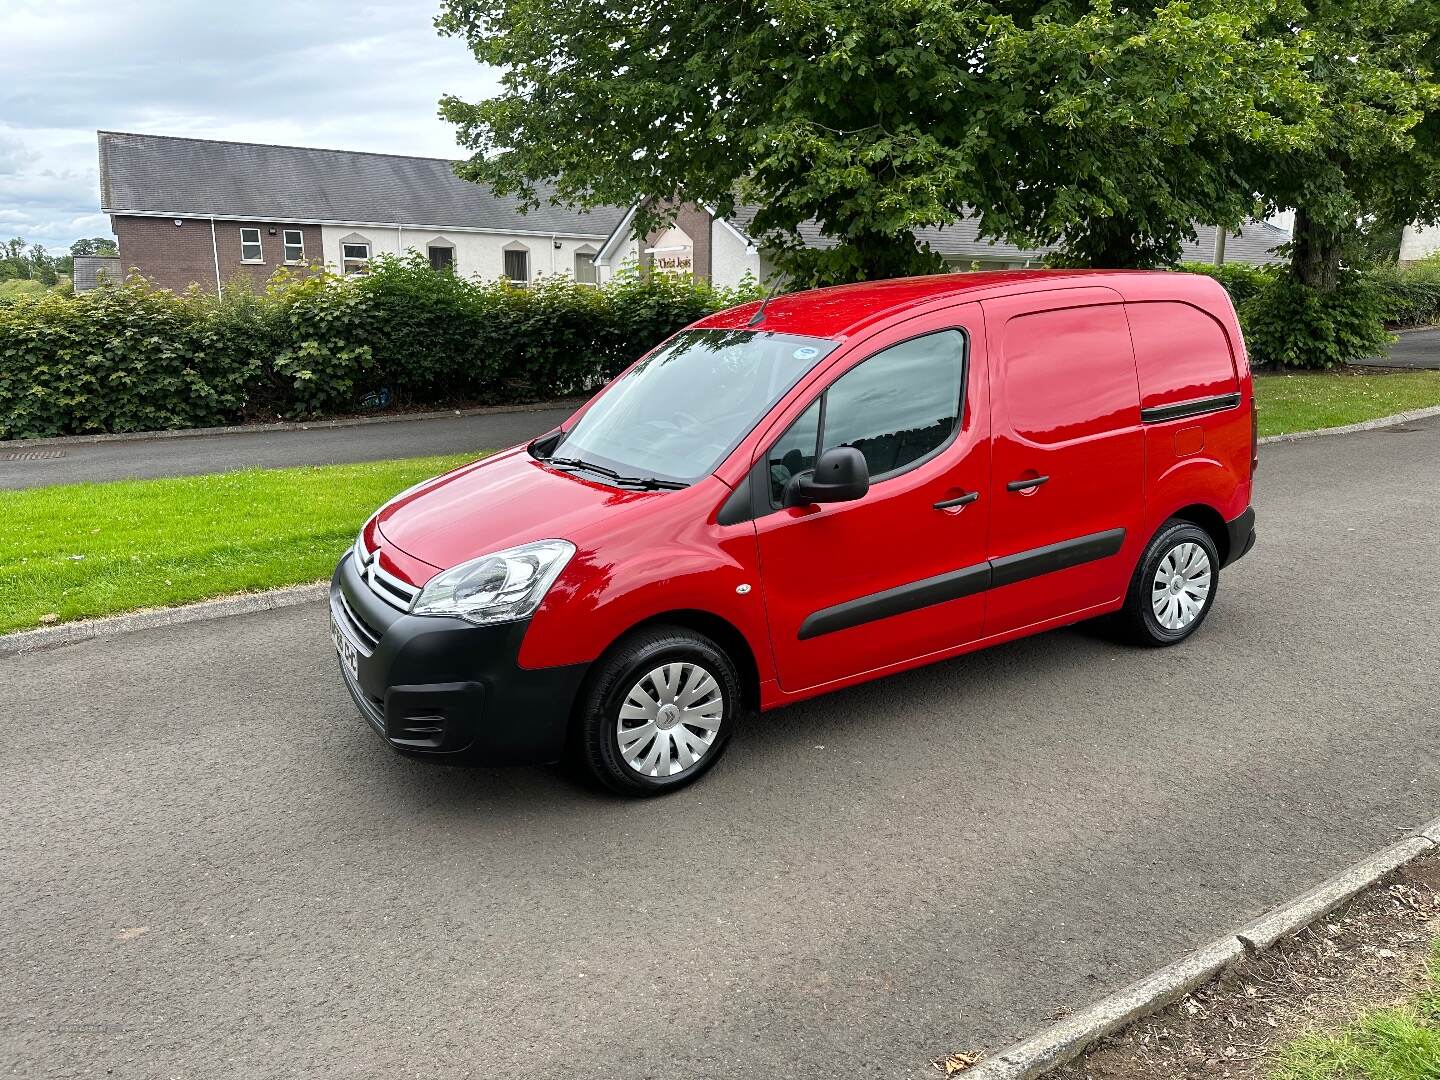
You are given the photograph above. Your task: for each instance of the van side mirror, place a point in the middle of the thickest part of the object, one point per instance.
(840, 475)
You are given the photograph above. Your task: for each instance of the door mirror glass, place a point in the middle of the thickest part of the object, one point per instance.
(840, 475)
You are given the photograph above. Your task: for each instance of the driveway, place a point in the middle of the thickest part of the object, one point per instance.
(210, 867)
(1413, 349)
(191, 455)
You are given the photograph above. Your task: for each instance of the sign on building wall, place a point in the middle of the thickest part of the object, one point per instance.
(673, 252)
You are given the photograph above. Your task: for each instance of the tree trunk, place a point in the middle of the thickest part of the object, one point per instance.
(1314, 253)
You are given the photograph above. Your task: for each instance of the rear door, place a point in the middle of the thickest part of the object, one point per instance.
(1068, 467)
(854, 587)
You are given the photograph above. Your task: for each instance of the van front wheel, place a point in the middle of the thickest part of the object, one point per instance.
(658, 712)
(1173, 587)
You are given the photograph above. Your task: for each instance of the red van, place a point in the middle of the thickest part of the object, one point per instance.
(792, 497)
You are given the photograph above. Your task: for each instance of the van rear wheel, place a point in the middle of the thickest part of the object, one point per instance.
(1173, 587)
(659, 710)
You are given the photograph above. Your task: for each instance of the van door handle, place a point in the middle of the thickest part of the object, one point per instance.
(1026, 485)
(959, 500)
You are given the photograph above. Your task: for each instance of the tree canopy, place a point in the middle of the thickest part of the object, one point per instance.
(1105, 129)
(1374, 161)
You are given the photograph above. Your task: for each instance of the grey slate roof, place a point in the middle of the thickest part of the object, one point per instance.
(962, 241)
(91, 269)
(162, 174)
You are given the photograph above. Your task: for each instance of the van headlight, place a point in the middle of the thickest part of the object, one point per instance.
(498, 588)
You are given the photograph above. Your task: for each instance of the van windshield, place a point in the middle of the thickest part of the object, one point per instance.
(678, 413)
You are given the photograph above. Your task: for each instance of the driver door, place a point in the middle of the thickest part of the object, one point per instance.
(859, 586)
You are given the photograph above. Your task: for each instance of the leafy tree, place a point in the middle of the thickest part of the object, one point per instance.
(1106, 129)
(95, 245)
(1375, 161)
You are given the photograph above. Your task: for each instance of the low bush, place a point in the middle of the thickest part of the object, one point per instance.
(1291, 326)
(1411, 293)
(132, 358)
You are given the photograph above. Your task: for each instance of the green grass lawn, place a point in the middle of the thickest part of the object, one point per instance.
(1291, 403)
(81, 550)
(1397, 1043)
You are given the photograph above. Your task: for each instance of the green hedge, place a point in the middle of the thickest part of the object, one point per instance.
(131, 358)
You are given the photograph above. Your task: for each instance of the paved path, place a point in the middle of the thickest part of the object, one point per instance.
(191, 456)
(1416, 349)
(210, 867)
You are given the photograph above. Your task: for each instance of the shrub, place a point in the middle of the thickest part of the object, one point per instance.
(131, 358)
(1290, 325)
(1411, 293)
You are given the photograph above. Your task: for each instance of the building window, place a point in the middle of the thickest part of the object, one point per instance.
(354, 258)
(585, 272)
(517, 266)
(441, 258)
(250, 249)
(294, 246)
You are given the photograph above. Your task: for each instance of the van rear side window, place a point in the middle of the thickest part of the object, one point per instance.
(1181, 352)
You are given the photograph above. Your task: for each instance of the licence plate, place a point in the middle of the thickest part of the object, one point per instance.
(349, 655)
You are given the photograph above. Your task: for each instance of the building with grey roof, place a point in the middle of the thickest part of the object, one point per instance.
(725, 250)
(200, 211)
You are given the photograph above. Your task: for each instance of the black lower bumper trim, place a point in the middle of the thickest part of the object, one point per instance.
(1242, 536)
(446, 690)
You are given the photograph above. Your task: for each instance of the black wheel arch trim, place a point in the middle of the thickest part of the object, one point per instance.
(966, 581)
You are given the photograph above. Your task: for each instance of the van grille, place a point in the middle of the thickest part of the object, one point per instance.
(365, 636)
(388, 587)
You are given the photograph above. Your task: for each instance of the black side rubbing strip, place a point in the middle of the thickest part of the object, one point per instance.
(897, 601)
(1052, 557)
(1159, 413)
(964, 582)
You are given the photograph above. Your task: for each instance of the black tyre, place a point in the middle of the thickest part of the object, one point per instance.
(1173, 587)
(657, 712)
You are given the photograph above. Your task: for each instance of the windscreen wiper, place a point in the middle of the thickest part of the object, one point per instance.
(577, 463)
(649, 483)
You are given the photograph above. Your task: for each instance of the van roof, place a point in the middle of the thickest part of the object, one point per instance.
(843, 309)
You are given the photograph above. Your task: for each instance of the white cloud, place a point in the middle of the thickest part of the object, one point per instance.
(328, 73)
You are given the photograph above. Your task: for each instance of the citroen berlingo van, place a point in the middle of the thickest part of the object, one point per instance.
(796, 496)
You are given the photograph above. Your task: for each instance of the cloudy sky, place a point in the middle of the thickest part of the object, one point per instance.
(332, 73)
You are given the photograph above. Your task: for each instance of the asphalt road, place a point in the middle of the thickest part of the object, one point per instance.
(1415, 349)
(210, 867)
(191, 455)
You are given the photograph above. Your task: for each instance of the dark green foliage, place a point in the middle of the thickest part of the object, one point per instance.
(135, 359)
(1412, 293)
(1291, 325)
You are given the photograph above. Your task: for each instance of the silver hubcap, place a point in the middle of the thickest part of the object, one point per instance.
(670, 719)
(1181, 586)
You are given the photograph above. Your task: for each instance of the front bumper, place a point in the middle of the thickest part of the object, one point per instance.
(1242, 535)
(446, 690)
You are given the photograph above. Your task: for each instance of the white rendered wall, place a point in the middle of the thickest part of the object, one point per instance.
(477, 255)
(1419, 242)
(730, 257)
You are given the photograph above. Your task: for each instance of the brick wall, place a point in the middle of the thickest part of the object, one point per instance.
(174, 257)
(695, 223)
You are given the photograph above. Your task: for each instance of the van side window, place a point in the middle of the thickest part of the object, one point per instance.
(794, 452)
(897, 408)
(901, 404)
(1070, 374)
(1182, 353)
